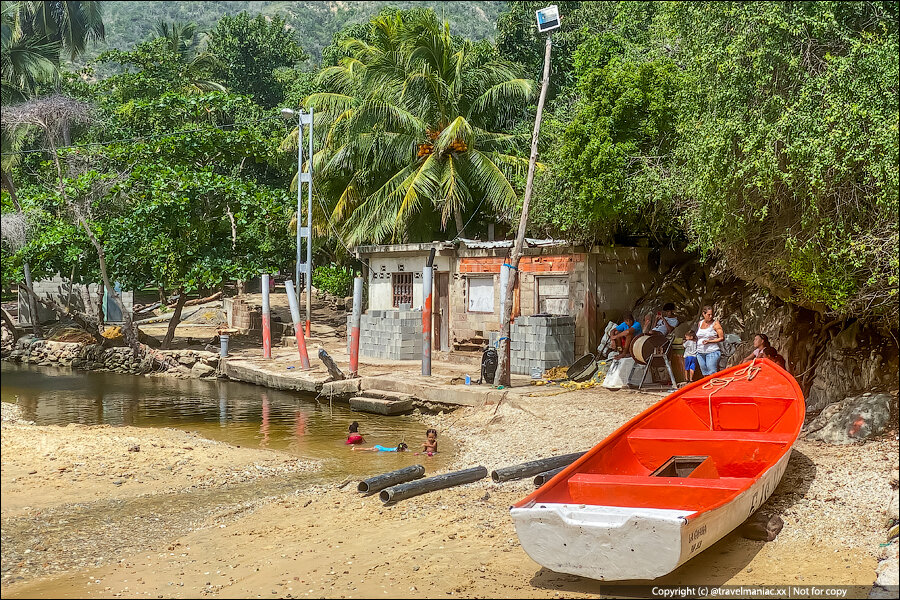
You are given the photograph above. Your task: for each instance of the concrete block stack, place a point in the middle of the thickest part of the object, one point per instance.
(390, 334)
(540, 342)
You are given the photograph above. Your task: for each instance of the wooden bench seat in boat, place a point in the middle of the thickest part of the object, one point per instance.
(641, 491)
(735, 453)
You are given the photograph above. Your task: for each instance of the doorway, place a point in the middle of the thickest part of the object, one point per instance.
(441, 312)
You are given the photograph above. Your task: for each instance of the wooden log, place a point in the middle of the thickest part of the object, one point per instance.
(379, 482)
(333, 370)
(534, 467)
(542, 478)
(431, 484)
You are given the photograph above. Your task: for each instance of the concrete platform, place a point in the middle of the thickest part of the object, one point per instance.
(381, 406)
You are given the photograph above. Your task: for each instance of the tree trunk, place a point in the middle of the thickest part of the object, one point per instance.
(32, 305)
(460, 227)
(82, 320)
(9, 323)
(131, 336)
(175, 320)
(503, 376)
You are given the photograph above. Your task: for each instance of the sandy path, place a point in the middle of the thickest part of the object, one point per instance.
(329, 542)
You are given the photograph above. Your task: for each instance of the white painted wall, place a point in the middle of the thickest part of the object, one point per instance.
(381, 295)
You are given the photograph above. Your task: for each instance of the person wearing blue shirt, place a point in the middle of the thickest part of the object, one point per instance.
(625, 332)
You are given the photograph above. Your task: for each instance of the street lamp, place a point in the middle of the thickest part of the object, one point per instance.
(305, 267)
(547, 20)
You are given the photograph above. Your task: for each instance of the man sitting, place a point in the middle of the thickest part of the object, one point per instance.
(666, 321)
(625, 332)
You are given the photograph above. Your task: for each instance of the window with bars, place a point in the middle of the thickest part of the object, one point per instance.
(402, 285)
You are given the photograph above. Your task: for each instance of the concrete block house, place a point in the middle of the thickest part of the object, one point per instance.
(567, 293)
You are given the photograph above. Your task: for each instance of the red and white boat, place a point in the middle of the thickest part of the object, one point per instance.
(671, 482)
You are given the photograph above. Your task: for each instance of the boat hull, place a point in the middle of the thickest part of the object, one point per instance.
(614, 543)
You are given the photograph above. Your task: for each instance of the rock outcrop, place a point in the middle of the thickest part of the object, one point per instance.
(851, 420)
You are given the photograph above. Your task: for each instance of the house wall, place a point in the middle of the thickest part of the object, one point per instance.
(57, 288)
(381, 296)
(602, 284)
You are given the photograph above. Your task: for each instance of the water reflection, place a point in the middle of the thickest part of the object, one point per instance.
(241, 414)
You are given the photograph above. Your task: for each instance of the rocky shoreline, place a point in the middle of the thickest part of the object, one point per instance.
(29, 350)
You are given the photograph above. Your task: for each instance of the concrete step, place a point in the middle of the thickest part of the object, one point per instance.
(386, 395)
(381, 406)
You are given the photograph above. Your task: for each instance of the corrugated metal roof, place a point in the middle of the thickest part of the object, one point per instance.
(530, 242)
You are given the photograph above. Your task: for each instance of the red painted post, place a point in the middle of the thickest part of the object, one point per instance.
(266, 318)
(354, 326)
(298, 326)
(427, 288)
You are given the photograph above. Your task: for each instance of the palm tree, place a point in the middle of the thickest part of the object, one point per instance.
(26, 61)
(415, 131)
(182, 39)
(71, 25)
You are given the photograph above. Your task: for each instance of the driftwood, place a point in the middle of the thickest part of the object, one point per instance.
(534, 467)
(431, 484)
(379, 482)
(9, 323)
(195, 301)
(333, 369)
(542, 478)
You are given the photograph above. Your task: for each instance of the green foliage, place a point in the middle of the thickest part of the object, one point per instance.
(250, 51)
(334, 279)
(790, 146)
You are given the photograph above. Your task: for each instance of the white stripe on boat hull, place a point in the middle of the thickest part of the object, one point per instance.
(613, 543)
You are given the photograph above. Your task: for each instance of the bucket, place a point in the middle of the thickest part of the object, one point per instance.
(583, 368)
(223, 345)
(537, 372)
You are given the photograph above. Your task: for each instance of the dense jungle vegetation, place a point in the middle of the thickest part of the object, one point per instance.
(761, 135)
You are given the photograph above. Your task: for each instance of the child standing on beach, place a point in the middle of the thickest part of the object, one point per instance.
(690, 354)
(353, 436)
(430, 445)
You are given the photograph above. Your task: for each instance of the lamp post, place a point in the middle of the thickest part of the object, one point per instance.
(305, 267)
(547, 20)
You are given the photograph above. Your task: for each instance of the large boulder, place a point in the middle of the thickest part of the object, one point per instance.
(852, 420)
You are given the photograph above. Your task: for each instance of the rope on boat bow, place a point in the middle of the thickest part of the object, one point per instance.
(718, 383)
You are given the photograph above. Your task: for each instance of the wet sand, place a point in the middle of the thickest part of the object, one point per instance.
(298, 539)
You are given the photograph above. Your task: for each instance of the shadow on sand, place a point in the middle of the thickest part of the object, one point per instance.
(715, 566)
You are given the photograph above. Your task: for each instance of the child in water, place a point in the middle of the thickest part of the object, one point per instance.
(401, 447)
(430, 445)
(353, 437)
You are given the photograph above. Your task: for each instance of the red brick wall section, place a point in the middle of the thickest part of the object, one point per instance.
(528, 264)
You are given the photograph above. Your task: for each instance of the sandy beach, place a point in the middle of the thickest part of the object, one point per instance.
(186, 517)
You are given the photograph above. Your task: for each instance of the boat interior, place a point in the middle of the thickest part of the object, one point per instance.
(691, 452)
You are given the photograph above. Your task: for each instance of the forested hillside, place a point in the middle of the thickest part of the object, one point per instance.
(128, 22)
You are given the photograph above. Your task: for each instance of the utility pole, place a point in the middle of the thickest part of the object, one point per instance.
(303, 266)
(547, 20)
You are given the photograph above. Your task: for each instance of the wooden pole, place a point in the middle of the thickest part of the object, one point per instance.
(534, 467)
(503, 377)
(542, 478)
(431, 484)
(379, 482)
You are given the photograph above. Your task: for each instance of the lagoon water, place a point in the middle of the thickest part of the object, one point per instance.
(236, 413)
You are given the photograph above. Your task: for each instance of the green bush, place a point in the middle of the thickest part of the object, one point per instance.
(337, 281)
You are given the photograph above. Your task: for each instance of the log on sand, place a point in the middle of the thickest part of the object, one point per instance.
(379, 482)
(431, 484)
(534, 467)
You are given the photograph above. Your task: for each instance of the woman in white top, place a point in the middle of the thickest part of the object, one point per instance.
(709, 334)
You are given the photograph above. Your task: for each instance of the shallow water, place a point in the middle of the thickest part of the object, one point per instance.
(237, 413)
